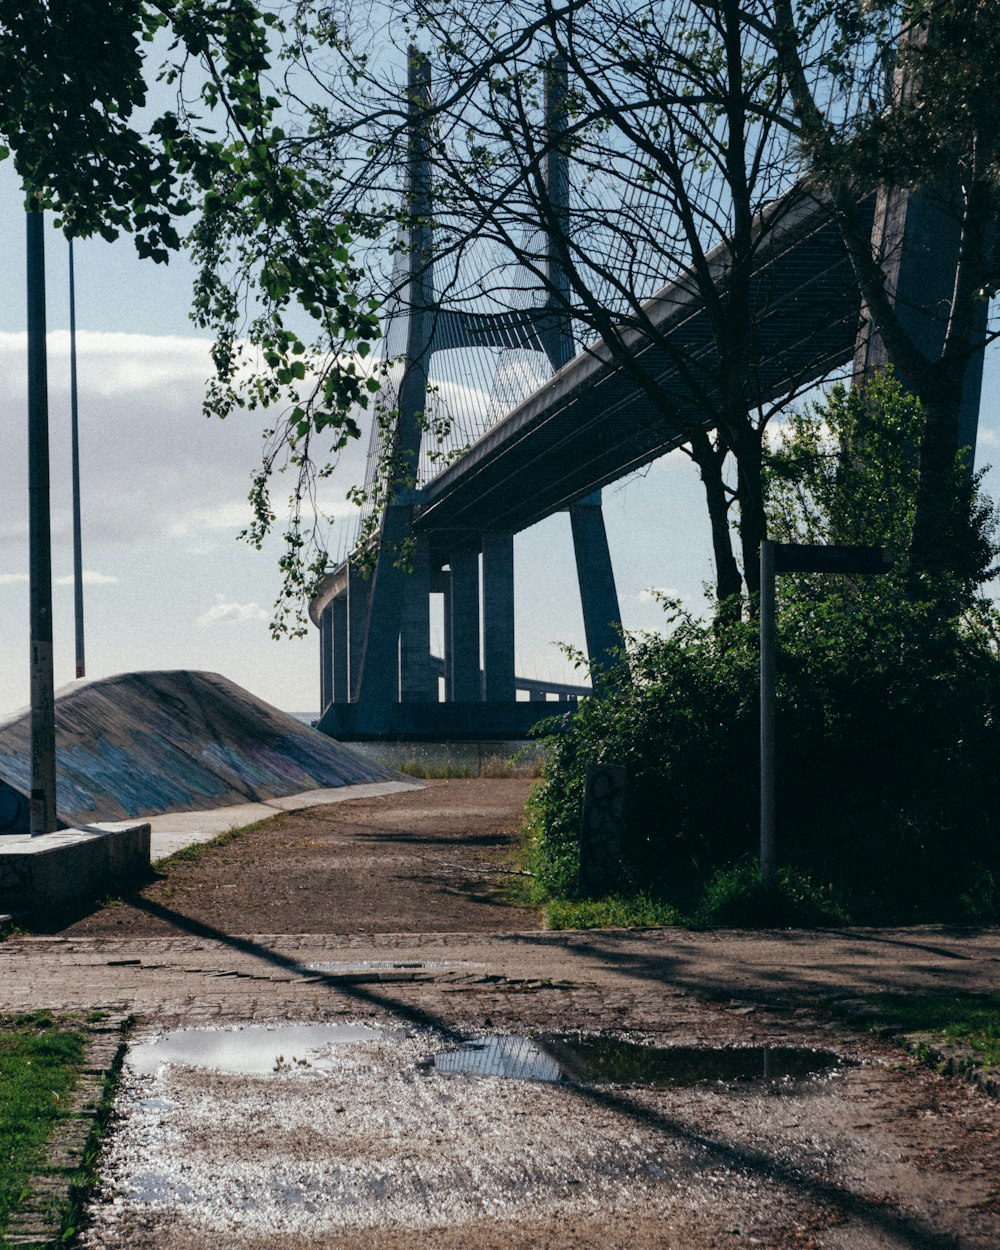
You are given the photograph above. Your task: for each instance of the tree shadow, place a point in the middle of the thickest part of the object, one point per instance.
(907, 1231)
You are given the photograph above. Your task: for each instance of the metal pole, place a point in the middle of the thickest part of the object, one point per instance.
(43, 743)
(81, 667)
(768, 871)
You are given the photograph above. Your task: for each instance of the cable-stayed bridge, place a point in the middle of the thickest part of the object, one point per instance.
(505, 423)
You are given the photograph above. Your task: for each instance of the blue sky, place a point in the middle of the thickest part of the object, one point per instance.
(164, 496)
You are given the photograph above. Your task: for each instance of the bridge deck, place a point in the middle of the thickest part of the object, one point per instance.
(591, 424)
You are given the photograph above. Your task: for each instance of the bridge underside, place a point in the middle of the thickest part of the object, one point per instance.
(592, 424)
(601, 416)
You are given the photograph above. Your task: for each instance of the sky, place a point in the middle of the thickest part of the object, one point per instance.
(164, 489)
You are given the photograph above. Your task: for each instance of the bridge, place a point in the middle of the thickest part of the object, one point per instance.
(586, 425)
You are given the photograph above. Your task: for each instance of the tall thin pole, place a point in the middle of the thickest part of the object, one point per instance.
(74, 406)
(768, 869)
(43, 743)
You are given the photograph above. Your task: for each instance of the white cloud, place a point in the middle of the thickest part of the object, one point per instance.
(239, 612)
(12, 579)
(656, 594)
(90, 578)
(230, 517)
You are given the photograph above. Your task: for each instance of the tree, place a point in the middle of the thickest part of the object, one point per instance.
(888, 714)
(845, 472)
(75, 78)
(938, 135)
(674, 121)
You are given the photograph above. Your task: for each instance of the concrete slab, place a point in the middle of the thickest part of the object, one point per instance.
(55, 870)
(173, 832)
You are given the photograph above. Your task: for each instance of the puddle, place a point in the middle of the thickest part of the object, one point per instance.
(516, 1057)
(603, 1060)
(255, 1050)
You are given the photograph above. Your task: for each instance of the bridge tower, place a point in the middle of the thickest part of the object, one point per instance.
(916, 240)
(377, 674)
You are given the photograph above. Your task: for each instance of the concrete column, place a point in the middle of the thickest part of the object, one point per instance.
(467, 680)
(341, 692)
(598, 596)
(358, 588)
(326, 658)
(498, 618)
(917, 241)
(417, 683)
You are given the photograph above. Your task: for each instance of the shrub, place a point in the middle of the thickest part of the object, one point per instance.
(888, 731)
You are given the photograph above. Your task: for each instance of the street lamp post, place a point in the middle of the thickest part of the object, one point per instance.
(74, 408)
(43, 752)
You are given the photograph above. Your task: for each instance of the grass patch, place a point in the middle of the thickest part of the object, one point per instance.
(617, 911)
(519, 764)
(39, 1063)
(736, 898)
(967, 1019)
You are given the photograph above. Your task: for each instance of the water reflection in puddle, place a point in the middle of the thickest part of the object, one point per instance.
(517, 1057)
(254, 1050)
(603, 1060)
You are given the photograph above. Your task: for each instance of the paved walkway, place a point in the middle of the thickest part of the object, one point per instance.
(174, 831)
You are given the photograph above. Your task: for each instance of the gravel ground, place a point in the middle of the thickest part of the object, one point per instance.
(364, 1144)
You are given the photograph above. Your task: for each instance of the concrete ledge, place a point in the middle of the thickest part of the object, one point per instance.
(54, 870)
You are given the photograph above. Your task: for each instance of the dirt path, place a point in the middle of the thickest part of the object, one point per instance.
(426, 861)
(381, 913)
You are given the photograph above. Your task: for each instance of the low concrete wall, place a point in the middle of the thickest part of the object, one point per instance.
(55, 870)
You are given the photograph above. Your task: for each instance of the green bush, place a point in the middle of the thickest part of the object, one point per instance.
(888, 733)
(888, 712)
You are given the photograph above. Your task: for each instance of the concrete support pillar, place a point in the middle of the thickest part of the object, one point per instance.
(417, 682)
(598, 596)
(379, 683)
(340, 691)
(358, 588)
(464, 604)
(917, 240)
(326, 658)
(536, 696)
(498, 618)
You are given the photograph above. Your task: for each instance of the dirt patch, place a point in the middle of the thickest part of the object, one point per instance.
(425, 861)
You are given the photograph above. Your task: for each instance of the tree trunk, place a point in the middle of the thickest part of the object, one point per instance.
(931, 552)
(750, 496)
(728, 582)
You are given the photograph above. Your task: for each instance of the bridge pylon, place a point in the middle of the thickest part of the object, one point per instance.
(378, 677)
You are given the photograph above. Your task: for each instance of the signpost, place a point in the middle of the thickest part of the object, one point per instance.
(778, 558)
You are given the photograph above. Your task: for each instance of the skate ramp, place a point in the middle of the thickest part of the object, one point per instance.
(141, 744)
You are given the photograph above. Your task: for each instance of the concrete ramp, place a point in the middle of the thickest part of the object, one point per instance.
(141, 744)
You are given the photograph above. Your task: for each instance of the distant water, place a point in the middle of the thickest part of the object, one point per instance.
(307, 718)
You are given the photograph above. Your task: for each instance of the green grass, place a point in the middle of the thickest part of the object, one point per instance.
(39, 1058)
(969, 1019)
(731, 898)
(614, 912)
